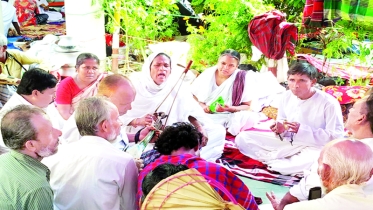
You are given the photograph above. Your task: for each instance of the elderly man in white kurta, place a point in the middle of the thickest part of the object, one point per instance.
(307, 119)
(153, 85)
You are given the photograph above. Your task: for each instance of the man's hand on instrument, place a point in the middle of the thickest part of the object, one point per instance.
(139, 164)
(277, 128)
(145, 131)
(143, 121)
(293, 126)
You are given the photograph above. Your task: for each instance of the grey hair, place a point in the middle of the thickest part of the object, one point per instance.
(349, 166)
(90, 113)
(17, 128)
(84, 56)
(3, 40)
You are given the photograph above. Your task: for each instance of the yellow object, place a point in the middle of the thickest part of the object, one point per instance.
(186, 190)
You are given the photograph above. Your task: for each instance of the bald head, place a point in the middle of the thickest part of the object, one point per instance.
(119, 90)
(344, 162)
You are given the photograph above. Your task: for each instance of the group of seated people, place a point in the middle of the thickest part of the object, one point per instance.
(25, 12)
(67, 152)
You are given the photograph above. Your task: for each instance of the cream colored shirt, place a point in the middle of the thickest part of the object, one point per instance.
(343, 197)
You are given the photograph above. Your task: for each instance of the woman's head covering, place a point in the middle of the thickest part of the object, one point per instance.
(151, 86)
(188, 189)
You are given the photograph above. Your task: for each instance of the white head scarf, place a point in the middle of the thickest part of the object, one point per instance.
(147, 81)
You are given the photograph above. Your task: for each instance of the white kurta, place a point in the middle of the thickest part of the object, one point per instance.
(52, 15)
(256, 86)
(312, 179)
(149, 96)
(70, 133)
(92, 174)
(320, 119)
(51, 110)
(343, 197)
(9, 16)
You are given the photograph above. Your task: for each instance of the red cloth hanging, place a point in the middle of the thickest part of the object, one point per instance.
(272, 35)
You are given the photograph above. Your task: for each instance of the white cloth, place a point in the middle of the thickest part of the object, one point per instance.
(150, 95)
(343, 197)
(92, 174)
(51, 110)
(9, 15)
(320, 119)
(52, 15)
(312, 179)
(70, 133)
(256, 86)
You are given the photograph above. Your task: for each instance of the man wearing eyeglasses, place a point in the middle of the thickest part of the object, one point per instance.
(29, 134)
(91, 173)
(307, 119)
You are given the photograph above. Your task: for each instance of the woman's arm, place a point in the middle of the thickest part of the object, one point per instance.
(203, 105)
(65, 110)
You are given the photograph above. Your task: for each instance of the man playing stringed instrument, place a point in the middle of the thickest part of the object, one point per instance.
(158, 89)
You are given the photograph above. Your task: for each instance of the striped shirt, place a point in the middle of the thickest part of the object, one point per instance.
(24, 183)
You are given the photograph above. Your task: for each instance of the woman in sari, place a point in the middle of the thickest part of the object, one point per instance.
(84, 84)
(156, 92)
(236, 88)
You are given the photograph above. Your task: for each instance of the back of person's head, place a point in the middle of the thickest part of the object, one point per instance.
(345, 162)
(17, 127)
(3, 40)
(158, 174)
(176, 136)
(84, 56)
(90, 113)
(109, 84)
(232, 53)
(36, 79)
(303, 68)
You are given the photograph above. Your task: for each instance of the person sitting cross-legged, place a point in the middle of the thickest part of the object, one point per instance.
(360, 124)
(307, 119)
(180, 143)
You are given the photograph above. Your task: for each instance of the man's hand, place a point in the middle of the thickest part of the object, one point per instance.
(139, 164)
(274, 200)
(293, 126)
(145, 132)
(277, 128)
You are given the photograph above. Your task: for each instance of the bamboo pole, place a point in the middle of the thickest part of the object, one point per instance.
(115, 42)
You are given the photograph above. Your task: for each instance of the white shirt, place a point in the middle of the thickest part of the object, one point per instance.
(320, 118)
(92, 174)
(9, 15)
(16, 99)
(342, 197)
